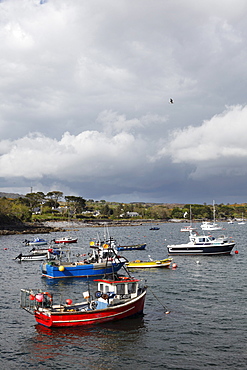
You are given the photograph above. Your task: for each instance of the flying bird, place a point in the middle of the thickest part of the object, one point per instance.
(171, 101)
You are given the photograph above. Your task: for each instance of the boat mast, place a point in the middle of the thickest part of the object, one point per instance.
(214, 211)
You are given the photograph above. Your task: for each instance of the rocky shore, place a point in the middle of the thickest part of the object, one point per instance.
(27, 228)
(62, 226)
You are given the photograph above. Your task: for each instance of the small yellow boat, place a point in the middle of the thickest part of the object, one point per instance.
(149, 264)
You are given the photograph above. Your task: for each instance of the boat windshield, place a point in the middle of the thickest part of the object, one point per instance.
(202, 240)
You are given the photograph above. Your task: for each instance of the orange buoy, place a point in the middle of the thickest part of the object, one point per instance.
(69, 301)
(174, 266)
(236, 252)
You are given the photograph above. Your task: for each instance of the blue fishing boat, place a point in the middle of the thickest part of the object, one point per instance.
(55, 270)
(98, 263)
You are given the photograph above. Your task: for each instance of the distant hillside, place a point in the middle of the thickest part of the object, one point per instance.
(10, 195)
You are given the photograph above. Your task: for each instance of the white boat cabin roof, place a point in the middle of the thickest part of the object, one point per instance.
(124, 285)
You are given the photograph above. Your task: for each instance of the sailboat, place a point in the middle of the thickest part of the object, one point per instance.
(190, 227)
(211, 226)
(242, 221)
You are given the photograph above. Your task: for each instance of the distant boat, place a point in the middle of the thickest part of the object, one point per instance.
(131, 247)
(242, 221)
(66, 239)
(153, 227)
(39, 255)
(35, 242)
(190, 227)
(211, 226)
(108, 241)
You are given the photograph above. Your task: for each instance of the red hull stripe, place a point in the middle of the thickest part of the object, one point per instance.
(95, 318)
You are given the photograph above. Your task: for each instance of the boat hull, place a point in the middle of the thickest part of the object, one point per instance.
(131, 247)
(188, 229)
(210, 226)
(65, 240)
(80, 318)
(33, 257)
(204, 249)
(150, 264)
(37, 243)
(80, 269)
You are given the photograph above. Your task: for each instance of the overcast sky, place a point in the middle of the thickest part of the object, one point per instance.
(85, 90)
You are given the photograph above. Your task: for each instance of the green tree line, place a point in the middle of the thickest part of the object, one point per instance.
(55, 205)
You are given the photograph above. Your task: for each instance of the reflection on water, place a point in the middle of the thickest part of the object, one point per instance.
(49, 344)
(67, 281)
(126, 325)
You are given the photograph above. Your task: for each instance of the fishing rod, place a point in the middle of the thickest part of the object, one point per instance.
(165, 308)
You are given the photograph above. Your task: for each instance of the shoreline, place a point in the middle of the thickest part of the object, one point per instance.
(47, 227)
(62, 226)
(26, 229)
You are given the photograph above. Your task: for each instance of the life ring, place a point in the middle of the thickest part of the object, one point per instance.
(98, 294)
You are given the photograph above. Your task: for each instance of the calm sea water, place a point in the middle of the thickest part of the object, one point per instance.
(206, 328)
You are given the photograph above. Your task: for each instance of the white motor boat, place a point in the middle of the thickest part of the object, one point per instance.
(210, 226)
(202, 244)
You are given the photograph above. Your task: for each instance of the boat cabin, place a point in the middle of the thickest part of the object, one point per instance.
(207, 239)
(123, 288)
(201, 239)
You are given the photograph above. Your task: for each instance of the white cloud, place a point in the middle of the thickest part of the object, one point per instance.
(219, 145)
(85, 89)
(90, 154)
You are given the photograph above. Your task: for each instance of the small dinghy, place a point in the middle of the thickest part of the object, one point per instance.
(149, 264)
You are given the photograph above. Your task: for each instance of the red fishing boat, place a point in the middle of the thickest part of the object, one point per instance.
(65, 239)
(115, 299)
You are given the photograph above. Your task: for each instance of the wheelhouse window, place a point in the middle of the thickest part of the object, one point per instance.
(132, 288)
(202, 240)
(121, 289)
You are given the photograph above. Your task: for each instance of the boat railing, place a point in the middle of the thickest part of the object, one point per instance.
(33, 299)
